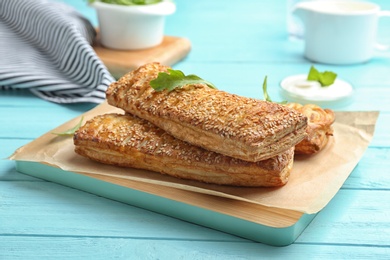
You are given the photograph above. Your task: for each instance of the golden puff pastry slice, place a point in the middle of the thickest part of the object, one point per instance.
(319, 127)
(218, 121)
(128, 141)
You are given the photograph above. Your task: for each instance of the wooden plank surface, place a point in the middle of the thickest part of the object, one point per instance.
(234, 45)
(118, 62)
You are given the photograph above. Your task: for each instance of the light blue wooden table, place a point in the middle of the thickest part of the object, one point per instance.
(234, 45)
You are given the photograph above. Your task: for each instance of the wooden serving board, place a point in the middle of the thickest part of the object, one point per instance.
(119, 62)
(272, 226)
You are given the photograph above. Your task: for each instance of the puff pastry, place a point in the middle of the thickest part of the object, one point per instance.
(225, 123)
(128, 141)
(319, 127)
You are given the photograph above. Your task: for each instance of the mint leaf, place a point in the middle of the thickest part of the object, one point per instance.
(325, 78)
(265, 93)
(176, 79)
(72, 130)
(313, 74)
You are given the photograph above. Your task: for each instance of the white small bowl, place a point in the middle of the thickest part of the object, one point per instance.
(298, 89)
(132, 27)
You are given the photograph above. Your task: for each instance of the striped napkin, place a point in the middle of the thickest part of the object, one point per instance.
(46, 47)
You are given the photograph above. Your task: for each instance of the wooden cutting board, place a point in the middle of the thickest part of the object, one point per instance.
(119, 62)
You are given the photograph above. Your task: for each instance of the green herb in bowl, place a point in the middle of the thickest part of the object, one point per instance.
(325, 78)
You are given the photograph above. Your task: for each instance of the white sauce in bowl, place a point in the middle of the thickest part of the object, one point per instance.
(298, 89)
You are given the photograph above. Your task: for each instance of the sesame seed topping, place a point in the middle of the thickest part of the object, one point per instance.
(126, 134)
(228, 115)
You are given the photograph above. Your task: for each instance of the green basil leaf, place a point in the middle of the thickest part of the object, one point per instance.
(176, 79)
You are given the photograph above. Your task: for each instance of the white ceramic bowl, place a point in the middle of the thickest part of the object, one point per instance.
(298, 89)
(132, 27)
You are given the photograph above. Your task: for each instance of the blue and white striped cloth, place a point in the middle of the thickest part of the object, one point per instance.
(46, 47)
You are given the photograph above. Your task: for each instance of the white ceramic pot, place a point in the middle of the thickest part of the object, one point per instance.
(340, 32)
(132, 27)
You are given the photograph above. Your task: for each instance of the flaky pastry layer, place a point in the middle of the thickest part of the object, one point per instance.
(218, 121)
(318, 130)
(127, 141)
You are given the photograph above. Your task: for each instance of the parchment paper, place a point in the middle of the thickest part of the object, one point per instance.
(313, 182)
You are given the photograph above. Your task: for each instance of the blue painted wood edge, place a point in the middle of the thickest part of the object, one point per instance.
(204, 217)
